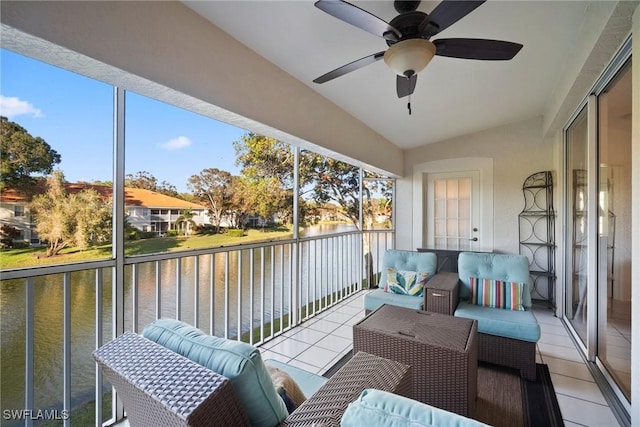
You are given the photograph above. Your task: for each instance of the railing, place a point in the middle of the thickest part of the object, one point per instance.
(251, 292)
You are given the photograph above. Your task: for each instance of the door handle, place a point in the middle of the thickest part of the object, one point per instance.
(475, 239)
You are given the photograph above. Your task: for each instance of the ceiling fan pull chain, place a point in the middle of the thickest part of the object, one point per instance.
(409, 105)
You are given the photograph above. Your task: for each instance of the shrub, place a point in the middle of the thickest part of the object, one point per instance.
(174, 233)
(235, 232)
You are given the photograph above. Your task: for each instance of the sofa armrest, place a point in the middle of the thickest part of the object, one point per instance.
(160, 387)
(362, 371)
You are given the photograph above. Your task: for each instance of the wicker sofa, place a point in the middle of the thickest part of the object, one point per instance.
(505, 337)
(160, 387)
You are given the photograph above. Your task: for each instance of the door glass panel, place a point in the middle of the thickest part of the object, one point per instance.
(614, 229)
(577, 229)
(452, 216)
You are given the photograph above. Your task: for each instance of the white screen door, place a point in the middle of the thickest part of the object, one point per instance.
(453, 211)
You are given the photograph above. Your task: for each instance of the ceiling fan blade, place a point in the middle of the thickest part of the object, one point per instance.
(492, 50)
(352, 66)
(406, 85)
(447, 13)
(360, 18)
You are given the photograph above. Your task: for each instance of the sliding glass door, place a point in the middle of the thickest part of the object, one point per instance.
(614, 229)
(578, 279)
(598, 282)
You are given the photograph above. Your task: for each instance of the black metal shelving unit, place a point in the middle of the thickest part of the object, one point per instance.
(536, 226)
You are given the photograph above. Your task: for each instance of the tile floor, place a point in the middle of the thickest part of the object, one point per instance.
(318, 343)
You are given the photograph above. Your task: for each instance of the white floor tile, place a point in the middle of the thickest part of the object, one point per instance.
(559, 340)
(344, 331)
(559, 352)
(558, 329)
(338, 317)
(349, 309)
(310, 336)
(585, 413)
(324, 325)
(581, 389)
(290, 347)
(305, 366)
(569, 368)
(334, 343)
(317, 356)
(268, 354)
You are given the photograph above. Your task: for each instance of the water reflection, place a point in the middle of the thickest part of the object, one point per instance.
(243, 278)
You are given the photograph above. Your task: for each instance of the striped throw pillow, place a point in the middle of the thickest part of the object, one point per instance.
(496, 293)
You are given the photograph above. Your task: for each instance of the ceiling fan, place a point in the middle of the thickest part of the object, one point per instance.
(407, 36)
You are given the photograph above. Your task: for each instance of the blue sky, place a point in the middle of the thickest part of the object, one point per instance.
(74, 114)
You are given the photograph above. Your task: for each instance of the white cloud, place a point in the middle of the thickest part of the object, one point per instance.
(10, 107)
(176, 143)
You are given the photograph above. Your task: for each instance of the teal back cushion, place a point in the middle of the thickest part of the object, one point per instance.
(424, 262)
(505, 267)
(238, 361)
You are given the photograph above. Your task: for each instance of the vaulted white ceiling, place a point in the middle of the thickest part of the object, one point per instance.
(453, 96)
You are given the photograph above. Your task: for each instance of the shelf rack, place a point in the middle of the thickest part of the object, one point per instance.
(536, 227)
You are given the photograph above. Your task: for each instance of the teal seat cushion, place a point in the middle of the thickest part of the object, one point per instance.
(308, 382)
(238, 361)
(376, 298)
(519, 325)
(380, 408)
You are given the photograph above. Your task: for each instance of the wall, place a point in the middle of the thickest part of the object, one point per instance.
(7, 216)
(517, 150)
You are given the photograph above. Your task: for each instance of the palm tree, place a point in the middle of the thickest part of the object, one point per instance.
(187, 218)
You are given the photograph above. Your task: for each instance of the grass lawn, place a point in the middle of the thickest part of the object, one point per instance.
(17, 258)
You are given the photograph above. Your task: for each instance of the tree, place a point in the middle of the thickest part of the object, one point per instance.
(7, 235)
(240, 206)
(22, 155)
(335, 181)
(322, 179)
(268, 163)
(213, 187)
(186, 217)
(146, 181)
(70, 220)
(262, 197)
(261, 156)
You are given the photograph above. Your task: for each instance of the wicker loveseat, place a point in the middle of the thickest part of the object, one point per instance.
(506, 337)
(159, 387)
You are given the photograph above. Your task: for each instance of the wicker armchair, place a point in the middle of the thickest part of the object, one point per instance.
(160, 387)
(505, 337)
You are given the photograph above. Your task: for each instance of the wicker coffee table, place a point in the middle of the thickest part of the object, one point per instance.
(442, 351)
(326, 407)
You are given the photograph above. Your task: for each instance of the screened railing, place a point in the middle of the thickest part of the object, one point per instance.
(54, 317)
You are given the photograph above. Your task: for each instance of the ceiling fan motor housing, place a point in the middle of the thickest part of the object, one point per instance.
(408, 25)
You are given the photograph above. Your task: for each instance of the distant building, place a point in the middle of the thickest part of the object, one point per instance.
(146, 210)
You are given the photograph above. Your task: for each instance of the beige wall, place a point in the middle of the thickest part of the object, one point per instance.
(517, 150)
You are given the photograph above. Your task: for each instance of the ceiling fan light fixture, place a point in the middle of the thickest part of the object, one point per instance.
(410, 56)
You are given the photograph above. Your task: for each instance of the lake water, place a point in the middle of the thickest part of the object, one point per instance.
(48, 304)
